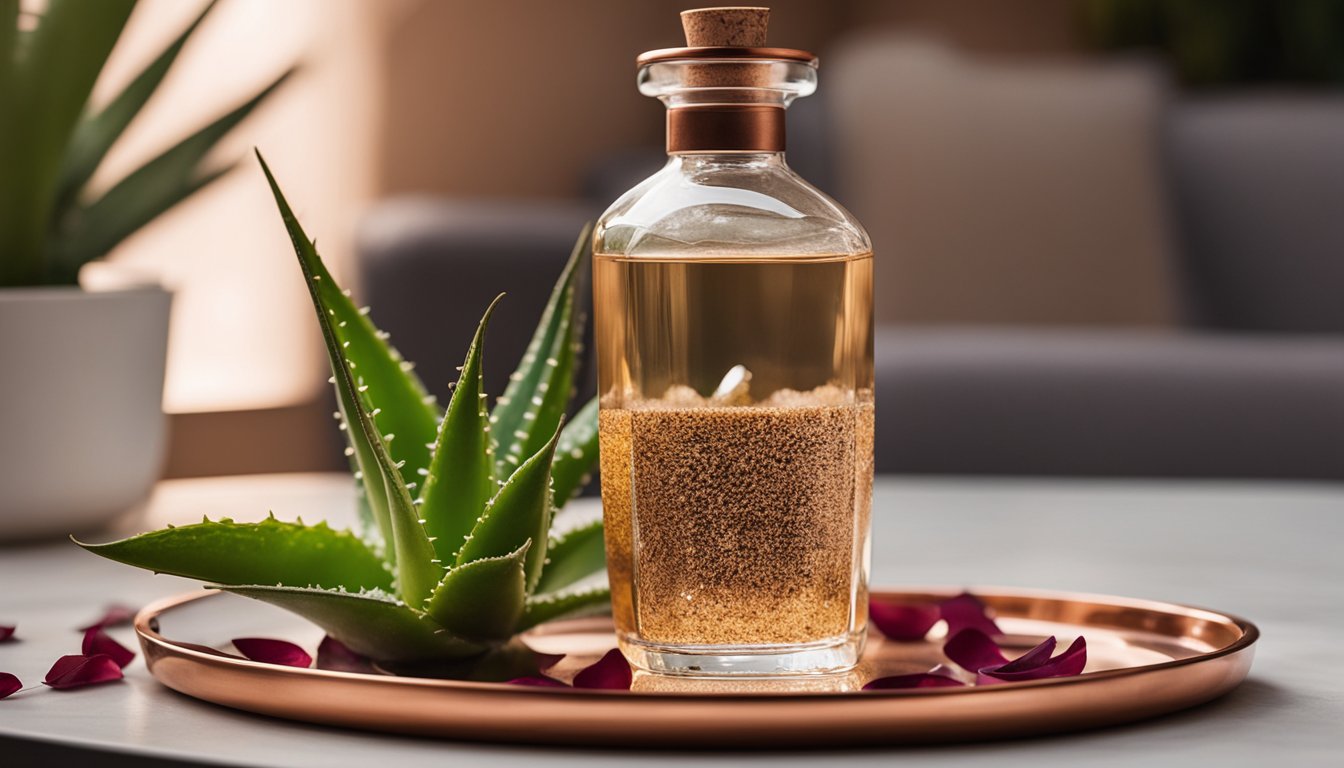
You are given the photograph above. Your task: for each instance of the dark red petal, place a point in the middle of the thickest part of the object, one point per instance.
(77, 671)
(612, 672)
(116, 615)
(903, 622)
(920, 680)
(973, 651)
(96, 641)
(6, 632)
(9, 684)
(332, 654)
(540, 681)
(1031, 659)
(1070, 662)
(269, 651)
(965, 611)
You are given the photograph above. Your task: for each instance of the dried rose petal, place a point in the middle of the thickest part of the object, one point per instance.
(973, 650)
(920, 680)
(612, 672)
(96, 641)
(9, 684)
(6, 632)
(539, 681)
(1067, 664)
(965, 611)
(78, 671)
(269, 651)
(903, 622)
(115, 615)
(332, 654)
(1032, 658)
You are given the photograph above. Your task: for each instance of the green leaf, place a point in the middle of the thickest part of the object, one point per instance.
(409, 548)
(91, 231)
(533, 404)
(573, 555)
(483, 599)
(575, 454)
(95, 134)
(373, 624)
(44, 86)
(409, 412)
(417, 564)
(566, 604)
(269, 552)
(461, 474)
(519, 512)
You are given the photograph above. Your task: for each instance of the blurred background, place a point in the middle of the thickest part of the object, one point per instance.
(1109, 233)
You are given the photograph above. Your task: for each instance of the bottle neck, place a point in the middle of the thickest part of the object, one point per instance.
(723, 128)
(694, 163)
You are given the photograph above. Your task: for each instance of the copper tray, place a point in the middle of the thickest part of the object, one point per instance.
(1145, 659)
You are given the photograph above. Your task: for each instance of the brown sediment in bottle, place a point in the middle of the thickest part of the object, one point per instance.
(614, 463)
(742, 519)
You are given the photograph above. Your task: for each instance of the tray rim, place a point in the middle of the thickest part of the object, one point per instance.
(1250, 634)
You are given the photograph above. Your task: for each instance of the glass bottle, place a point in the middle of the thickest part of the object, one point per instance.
(733, 315)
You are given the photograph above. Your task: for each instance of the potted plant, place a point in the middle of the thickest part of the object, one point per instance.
(81, 371)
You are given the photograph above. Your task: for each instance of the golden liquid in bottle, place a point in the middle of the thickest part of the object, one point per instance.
(737, 438)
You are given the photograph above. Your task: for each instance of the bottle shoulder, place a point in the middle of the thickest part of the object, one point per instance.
(727, 206)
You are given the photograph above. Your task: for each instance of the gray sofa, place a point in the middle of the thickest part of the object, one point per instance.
(1247, 381)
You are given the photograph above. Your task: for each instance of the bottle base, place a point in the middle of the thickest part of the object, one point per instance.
(825, 657)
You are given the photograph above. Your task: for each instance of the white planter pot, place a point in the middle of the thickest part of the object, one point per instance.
(82, 430)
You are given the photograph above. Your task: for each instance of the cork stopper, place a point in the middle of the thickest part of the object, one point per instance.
(735, 27)
(738, 27)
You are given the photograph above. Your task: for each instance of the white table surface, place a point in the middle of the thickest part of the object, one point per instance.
(1273, 553)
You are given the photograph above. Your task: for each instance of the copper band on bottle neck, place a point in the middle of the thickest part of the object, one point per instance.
(725, 128)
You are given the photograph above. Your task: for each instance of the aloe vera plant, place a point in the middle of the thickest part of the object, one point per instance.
(51, 142)
(458, 554)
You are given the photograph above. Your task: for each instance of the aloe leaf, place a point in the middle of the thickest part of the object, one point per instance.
(88, 232)
(95, 134)
(575, 454)
(372, 624)
(461, 474)
(412, 553)
(534, 401)
(566, 604)
(482, 599)
(417, 565)
(46, 81)
(573, 555)
(409, 412)
(269, 552)
(519, 512)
